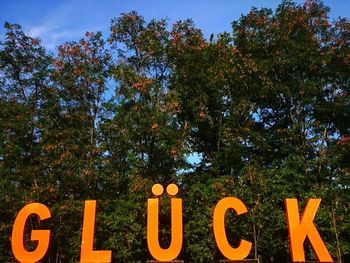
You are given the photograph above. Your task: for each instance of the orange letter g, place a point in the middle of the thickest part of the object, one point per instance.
(43, 236)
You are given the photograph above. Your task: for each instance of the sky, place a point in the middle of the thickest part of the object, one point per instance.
(57, 21)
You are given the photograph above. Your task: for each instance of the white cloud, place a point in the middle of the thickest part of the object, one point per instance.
(57, 26)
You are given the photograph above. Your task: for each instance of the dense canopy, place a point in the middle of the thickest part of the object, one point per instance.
(263, 110)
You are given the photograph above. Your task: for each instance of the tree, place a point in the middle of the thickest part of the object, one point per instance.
(265, 108)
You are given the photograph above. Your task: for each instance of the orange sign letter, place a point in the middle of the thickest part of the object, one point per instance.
(174, 249)
(242, 251)
(42, 236)
(88, 255)
(300, 229)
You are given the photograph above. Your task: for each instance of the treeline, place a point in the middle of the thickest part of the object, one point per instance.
(264, 110)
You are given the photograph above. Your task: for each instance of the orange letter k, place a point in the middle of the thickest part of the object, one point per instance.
(300, 229)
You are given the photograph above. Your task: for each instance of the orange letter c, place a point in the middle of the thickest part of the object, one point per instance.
(242, 251)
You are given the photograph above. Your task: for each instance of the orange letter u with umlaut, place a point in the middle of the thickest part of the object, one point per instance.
(88, 254)
(242, 251)
(42, 236)
(299, 229)
(174, 249)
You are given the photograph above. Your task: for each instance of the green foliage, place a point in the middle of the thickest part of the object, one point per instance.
(265, 107)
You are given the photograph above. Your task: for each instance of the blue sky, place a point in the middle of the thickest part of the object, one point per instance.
(57, 21)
